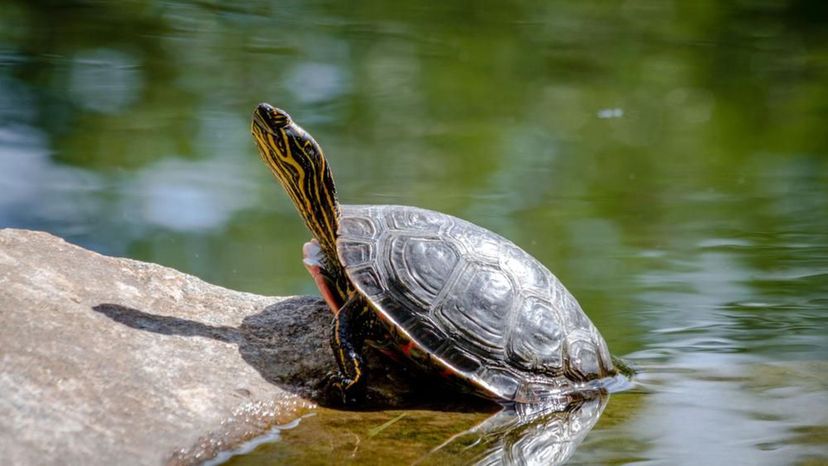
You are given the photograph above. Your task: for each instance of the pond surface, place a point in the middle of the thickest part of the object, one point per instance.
(667, 160)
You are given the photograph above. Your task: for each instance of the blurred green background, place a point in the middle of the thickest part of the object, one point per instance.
(667, 160)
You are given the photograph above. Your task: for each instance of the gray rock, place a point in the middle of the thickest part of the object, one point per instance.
(113, 361)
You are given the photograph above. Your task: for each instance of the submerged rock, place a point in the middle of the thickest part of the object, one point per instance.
(113, 361)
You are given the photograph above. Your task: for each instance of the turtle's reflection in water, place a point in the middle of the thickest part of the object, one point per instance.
(546, 434)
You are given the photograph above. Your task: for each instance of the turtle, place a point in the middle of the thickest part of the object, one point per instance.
(450, 296)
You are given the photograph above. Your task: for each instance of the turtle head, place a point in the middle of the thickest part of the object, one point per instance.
(297, 161)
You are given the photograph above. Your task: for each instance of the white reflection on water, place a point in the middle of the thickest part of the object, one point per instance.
(195, 195)
(316, 82)
(606, 113)
(104, 80)
(187, 195)
(173, 193)
(33, 186)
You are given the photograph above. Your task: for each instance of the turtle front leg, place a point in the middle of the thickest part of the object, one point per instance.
(347, 339)
(348, 328)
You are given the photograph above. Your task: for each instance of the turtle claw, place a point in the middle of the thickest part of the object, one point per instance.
(339, 389)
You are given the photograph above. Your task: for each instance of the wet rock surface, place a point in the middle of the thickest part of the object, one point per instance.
(113, 361)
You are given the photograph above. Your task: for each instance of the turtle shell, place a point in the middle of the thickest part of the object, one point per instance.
(472, 301)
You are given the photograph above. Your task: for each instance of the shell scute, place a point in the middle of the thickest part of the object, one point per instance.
(501, 381)
(535, 342)
(533, 275)
(358, 254)
(357, 227)
(483, 288)
(483, 245)
(464, 362)
(410, 219)
(370, 281)
(423, 264)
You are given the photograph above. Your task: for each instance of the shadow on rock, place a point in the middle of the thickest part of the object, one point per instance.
(287, 343)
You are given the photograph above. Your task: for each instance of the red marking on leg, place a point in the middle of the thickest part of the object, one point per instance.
(313, 261)
(447, 373)
(406, 348)
(324, 287)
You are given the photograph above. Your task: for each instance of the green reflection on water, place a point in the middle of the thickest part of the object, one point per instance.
(667, 160)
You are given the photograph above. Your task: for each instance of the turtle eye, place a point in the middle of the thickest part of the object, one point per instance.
(274, 117)
(279, 120)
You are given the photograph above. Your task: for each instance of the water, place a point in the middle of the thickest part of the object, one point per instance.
(667, 160)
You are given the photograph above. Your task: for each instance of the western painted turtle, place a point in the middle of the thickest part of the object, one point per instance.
(453, 296)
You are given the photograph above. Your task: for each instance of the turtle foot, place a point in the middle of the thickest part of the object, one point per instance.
(340, 390)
